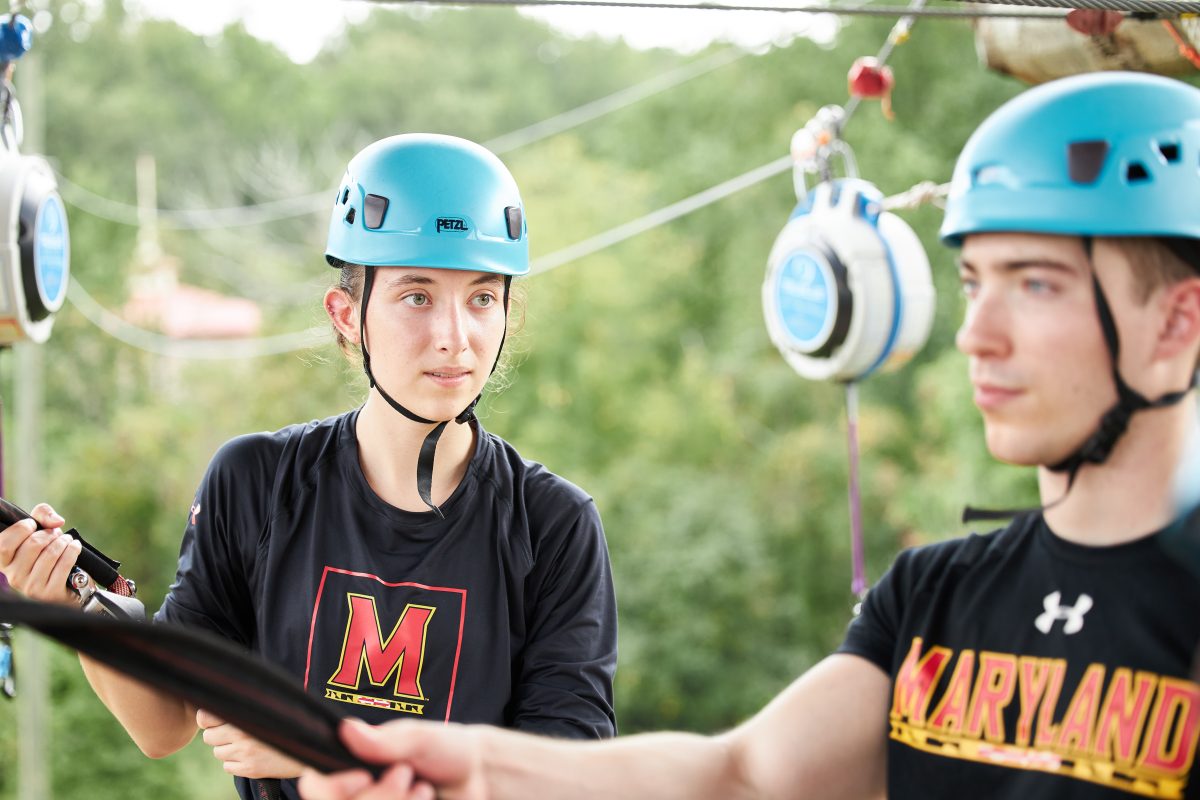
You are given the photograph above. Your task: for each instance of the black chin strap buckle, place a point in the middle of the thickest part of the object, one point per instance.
(1099, 445)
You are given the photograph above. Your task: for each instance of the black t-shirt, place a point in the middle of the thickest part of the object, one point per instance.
(1026, 667)
(503, 612)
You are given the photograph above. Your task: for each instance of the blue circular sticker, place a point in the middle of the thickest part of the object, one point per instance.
(807, 307)
(50, 252)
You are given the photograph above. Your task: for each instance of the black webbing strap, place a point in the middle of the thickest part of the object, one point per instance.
(206, 671)
(268, 789)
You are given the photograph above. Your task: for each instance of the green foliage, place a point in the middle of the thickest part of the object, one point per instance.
(646, 373)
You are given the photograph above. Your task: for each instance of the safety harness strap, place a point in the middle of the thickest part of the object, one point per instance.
(205, 670)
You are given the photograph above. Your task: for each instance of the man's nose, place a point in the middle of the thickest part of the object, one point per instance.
(986, 326)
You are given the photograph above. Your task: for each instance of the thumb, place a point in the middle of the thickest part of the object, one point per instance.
(370, 743)
(207, 719)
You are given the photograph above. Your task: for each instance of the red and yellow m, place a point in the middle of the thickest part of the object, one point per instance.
(403, 652)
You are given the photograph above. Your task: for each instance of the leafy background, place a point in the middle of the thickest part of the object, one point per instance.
(645, 375)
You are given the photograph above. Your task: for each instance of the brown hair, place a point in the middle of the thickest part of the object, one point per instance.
(350, 280)
(1156, 263)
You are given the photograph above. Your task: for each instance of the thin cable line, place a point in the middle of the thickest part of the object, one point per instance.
(287, 208)
(613, 102)
(660, 217)
(199, 349)
(846, 10)
(1154, 8)
(132, 335)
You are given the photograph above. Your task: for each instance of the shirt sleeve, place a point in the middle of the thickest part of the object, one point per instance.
(873, 633)
(565, 675)
(211, 589)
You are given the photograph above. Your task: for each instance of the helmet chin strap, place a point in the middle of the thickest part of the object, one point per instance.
(1099, 445)
(429, 446)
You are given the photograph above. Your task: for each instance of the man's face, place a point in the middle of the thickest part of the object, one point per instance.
(1038, 362)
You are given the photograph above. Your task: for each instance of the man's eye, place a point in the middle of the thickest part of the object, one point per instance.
(484, 300)
(417, 300)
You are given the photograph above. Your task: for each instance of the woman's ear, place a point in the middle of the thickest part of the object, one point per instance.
(1181, 329)
(343, 313)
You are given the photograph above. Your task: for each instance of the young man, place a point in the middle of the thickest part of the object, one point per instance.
(1050, 659)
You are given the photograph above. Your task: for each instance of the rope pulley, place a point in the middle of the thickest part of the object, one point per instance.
(848, 287)
(34, 241)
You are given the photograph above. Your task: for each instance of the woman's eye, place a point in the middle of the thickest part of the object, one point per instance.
(1038, 286)
(417, 300)
(969, 286)
(484, 300)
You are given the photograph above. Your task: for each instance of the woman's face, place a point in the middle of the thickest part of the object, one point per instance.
(433, 336)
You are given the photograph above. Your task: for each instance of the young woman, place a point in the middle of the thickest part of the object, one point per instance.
(397, 558)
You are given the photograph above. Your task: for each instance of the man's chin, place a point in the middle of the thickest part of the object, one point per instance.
(1020, 451)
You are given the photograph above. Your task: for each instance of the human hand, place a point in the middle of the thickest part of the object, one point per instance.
(241, 754)
(36, 557)
(422, 756)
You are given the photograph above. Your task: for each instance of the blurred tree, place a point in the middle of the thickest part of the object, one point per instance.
(647, 376)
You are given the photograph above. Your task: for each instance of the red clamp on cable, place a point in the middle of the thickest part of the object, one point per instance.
(1094, 22)
(868, 79)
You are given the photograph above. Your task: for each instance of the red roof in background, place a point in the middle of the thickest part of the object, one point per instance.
(189, 312)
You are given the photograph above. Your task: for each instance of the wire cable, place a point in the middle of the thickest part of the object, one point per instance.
(1162, 9)
(153, 342)
(198, 349)
(613, 102)
(287, 208)
(862, 9)
(660, 217)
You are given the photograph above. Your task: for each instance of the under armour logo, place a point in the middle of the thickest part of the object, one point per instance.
(1056, 611)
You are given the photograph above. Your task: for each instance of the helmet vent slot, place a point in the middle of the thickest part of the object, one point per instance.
(512, 218)
(1085, 160)
(345, 195)
(1136, 173)
(1169, 151)
(374, 209)
(350, 215)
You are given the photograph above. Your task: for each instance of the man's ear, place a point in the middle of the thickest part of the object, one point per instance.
(343, 313)
(1180, 332)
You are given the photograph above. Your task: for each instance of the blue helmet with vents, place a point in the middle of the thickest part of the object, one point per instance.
(1102, 154)
(428, 200)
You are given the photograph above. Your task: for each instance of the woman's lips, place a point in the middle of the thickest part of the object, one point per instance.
(449, 378)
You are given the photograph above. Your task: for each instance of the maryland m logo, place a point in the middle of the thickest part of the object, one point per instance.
(364, 648)
(385, 647)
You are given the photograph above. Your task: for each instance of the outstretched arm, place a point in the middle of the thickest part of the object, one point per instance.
(825, 737)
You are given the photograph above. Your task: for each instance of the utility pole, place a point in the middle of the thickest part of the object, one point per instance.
(33, 693)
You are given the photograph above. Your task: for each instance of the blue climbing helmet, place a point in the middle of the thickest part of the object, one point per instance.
(1101, 154)
(432, 201)
(428, 200)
